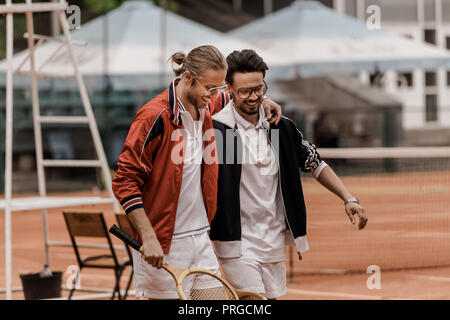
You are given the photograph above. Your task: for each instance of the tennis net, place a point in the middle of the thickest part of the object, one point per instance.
(406, 194)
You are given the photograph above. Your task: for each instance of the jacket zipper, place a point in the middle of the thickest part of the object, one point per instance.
(281, 193)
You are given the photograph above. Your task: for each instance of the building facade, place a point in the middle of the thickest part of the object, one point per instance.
(425, 94)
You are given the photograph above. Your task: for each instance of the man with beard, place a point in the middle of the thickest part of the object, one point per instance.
(260, 199)
(163, 182)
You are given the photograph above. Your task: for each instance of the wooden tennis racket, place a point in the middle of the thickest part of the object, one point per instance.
(194, 283)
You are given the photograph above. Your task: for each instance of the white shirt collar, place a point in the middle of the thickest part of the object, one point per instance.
(244, 123)
(193, 127)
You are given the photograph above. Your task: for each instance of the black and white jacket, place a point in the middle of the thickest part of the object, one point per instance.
(293, 153)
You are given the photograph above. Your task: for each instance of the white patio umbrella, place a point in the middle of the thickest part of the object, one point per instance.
(135, 58)
(312, 40)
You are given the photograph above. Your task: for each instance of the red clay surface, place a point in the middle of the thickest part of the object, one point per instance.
(409, 226)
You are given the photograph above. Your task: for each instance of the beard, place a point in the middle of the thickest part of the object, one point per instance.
(197, 101)
(244, 106)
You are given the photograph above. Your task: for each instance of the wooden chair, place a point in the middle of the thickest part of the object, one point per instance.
(90, 224)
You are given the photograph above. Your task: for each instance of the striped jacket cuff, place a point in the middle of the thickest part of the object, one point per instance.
(319, 169)
(131, 203)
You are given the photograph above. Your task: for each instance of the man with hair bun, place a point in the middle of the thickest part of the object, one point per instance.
(260, 198)
(165, 185)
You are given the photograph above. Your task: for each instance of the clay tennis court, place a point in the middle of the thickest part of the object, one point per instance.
(407, 236)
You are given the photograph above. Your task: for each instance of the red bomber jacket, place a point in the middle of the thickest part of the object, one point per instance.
(147, 175)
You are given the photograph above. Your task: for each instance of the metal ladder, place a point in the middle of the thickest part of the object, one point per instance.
(29, 8)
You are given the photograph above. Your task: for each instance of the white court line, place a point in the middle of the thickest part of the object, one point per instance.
(342, 295)
(84, 275)
(323, 271)
(332, 294)
(103, 276)
(423, 277)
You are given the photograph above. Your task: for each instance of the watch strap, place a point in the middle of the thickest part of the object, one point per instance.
(353, 199)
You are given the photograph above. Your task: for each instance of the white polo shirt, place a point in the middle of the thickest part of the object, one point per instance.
(262, 214)
(191, 217)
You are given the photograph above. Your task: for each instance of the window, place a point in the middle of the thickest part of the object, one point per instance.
(280, 4)
(447, 42)
(376, 79)
(447, 45)
(430, 79)
(254, 8)
(431, 107)
(430, 36)
(405, 80)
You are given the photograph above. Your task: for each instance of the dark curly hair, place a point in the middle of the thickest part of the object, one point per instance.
(244, 61)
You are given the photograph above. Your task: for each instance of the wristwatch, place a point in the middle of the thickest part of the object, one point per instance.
(354, 199)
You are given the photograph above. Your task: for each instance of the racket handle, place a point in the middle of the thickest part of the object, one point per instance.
(125, 237)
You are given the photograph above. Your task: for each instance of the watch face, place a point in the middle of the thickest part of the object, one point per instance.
(352, 200)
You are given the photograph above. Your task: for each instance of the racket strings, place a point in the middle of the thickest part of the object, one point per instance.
(250, 296)
(200, 286)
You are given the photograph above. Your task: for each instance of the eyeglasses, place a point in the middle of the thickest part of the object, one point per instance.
(245, 93)
(213, 91)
